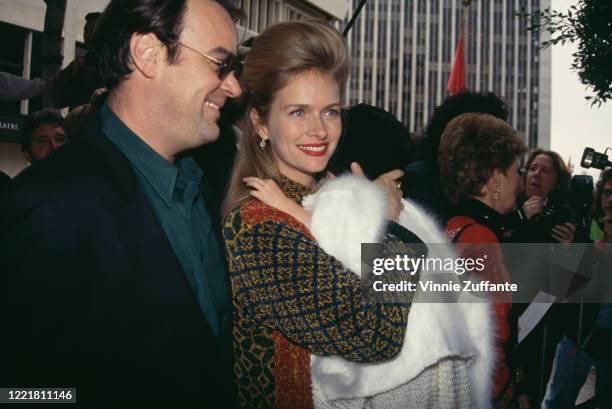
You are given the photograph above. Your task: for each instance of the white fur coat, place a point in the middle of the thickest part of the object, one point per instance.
(350, 210)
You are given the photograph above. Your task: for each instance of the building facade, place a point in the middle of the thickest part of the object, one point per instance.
(403, 51)
(261, 13)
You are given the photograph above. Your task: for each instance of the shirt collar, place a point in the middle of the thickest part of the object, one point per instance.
(158, 172)
(189, 178)
(485, 215)
(294, 190)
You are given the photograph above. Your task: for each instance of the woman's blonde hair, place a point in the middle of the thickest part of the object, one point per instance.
(279, 53)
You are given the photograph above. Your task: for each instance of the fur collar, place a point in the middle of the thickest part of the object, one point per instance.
(350, 210)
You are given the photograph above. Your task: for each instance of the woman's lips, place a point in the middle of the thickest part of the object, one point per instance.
(314, 149)
(534, 185)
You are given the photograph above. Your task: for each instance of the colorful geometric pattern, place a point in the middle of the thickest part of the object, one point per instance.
(292, 299)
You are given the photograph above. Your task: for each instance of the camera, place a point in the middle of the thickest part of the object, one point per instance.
(593, 159)
(553, 215)
(581, 195)
(575, 208)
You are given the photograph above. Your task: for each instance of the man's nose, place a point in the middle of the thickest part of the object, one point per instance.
(231, 86)
(55, 144)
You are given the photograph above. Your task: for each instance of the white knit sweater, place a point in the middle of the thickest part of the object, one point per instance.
(447, 357)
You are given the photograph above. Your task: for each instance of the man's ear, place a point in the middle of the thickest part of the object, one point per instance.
(258, 124)
(146, 53)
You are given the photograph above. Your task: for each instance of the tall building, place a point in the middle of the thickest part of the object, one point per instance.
(261, 13)
(403, 51)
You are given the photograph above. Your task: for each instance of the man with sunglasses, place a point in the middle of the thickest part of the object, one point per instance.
(113, 273)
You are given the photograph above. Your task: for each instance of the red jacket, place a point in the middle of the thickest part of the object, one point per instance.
(473, 241)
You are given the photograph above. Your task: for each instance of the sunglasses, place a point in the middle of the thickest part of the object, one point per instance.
(231, 63)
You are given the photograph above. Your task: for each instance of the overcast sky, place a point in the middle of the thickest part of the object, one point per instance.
(575, 124)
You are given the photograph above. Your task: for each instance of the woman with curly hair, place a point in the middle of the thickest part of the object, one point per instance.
(602, 206)
(479, 164)
(545, 214)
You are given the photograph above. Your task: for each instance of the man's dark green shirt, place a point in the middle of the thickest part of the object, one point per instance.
(174, 192)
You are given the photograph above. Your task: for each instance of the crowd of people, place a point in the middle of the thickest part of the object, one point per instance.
(190, 235)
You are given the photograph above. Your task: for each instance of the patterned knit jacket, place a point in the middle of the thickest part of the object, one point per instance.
(291, 298)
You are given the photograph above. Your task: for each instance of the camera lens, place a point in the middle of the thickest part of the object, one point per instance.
(587, 158)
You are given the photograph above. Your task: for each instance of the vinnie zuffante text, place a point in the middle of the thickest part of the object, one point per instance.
(458, 266)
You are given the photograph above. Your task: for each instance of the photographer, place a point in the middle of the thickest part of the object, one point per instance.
(572, 363)
(545, 216)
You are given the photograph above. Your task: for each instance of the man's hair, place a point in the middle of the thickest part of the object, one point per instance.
(122, 18)
(472, 148)
(93, 16)
(35, 120)
(453, 106)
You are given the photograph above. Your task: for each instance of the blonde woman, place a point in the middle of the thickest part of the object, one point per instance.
(291, 298)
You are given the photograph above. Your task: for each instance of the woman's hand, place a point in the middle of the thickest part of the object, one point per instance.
(394, 192)
(269, 193)
(533, 206)
(391, 186)
(564, 233)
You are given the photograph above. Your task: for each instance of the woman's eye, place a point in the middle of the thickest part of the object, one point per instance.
(332, 113)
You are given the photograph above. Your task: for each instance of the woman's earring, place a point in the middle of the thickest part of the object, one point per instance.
(496, 193)
(262, 144)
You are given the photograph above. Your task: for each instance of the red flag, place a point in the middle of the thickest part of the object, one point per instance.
(456, 79)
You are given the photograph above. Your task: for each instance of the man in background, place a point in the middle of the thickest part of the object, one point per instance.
(43, 132)
(77, 82)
